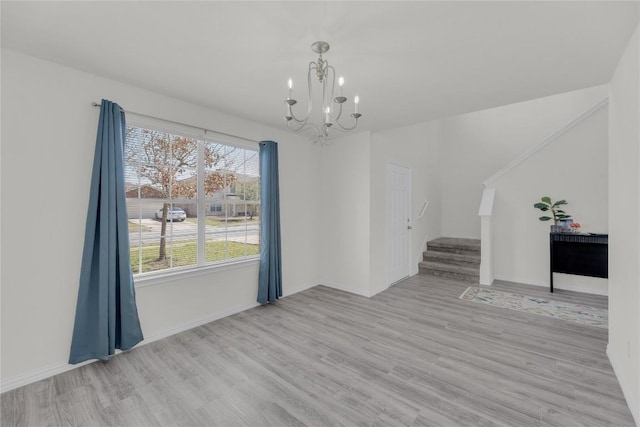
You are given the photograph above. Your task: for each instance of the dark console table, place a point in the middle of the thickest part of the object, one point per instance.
(583, 254)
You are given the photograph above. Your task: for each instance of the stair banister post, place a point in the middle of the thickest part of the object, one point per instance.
(486, 236)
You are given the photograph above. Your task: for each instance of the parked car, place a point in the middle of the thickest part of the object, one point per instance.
(173, 214)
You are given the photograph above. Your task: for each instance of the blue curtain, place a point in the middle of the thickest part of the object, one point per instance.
(106, 313)
(270, 277)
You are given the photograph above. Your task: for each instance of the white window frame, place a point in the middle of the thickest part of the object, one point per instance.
(202, 267)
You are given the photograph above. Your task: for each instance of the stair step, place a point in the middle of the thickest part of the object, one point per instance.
(452, 258)
(451, 268)
(455, 246)
(458, 272)
(453, 276)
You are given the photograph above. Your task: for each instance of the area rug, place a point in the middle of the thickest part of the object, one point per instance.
(576, 313)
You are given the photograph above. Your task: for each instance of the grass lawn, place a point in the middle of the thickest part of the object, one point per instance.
(231, 221)
(134, 227)
(185, 253)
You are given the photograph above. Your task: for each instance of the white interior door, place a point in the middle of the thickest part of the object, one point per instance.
(398, 222)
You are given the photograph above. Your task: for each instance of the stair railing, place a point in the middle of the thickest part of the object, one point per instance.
(486, 204)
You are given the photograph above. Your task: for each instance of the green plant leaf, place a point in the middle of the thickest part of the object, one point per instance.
(541, 206)
(559, 203)
(544, 218)
(546, 199)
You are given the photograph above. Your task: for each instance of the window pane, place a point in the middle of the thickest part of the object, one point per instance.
(245, 234)
(231, 235)
(185, 184)
(184, 159)
(182, 226)
(213, 155)
(214, 184)
(144, 236)
(160, 245)
(162, 181)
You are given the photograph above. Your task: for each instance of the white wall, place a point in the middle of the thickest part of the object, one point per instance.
(624, 220)
(48, 138)
(344, 213)
(573, 167)
(333, 195)
(417, 147)
(479, 144)
(353, 211)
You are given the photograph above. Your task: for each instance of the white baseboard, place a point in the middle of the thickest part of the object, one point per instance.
(11, 383)
(626, 388)
(197, 322)
(358, 291)
(296, 290)
(37, 375)
(58, 368)
(488, 283)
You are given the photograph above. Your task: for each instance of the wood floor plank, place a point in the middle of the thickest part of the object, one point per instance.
(413, 355)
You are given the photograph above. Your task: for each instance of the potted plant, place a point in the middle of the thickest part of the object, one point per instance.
(555, 208)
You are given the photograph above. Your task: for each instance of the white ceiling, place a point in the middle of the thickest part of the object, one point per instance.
(409, 61)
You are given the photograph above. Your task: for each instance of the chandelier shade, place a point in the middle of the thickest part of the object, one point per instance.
(331, 111)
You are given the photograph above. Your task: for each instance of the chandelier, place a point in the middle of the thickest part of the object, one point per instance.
(331, 111)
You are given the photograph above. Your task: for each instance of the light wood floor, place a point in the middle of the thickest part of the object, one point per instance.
(412, 355)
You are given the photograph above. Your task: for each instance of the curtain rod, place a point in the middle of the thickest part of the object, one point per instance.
(95, 104)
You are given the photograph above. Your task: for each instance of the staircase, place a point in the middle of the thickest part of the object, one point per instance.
(451, 258)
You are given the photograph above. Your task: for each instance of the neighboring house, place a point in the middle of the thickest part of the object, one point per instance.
(232, 205)
(240, 198)
(139, 207)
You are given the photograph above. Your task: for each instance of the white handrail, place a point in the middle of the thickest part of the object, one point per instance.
(423, 210)
(602, 103)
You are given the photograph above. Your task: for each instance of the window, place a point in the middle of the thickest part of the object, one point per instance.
(191, 201)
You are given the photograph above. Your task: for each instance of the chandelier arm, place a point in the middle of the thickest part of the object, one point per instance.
(328, 98)
(312, 66)
(296, 128)
(300, 125)
(337, 117)
(316, 130)
(297, 120)
(303, 127)
(324, 107)
(333, 81)
(346, 128)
